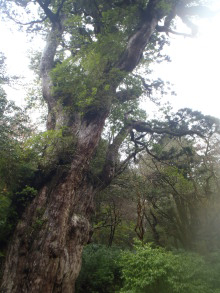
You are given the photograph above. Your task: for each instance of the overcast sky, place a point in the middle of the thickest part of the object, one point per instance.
(194, 69)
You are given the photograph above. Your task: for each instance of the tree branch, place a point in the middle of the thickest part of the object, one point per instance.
(184, 12)
(141, 126)
(47, 63)
(113, 167)
(109, 169)
(47, 11)
(140, 38)
(123, 165)
(156, 84)
(126, 95)
(167, 30)
(60, 7)
(31, 22)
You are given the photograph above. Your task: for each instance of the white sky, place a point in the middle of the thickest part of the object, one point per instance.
(194, 69)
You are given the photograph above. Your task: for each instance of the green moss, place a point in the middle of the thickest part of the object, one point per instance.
(51, 149)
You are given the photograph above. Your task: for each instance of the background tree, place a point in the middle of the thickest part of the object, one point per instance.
(176, 190)
(115, 214)
(15, 167)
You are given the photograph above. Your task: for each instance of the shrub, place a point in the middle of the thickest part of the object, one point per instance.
(100, 271)
(155, 270)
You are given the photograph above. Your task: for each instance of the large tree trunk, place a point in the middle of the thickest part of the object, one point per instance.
(45, 253)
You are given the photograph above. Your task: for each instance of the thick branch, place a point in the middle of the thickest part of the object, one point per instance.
(112, 165)
(47, 11)
(136, 45)
(141, 126)
(138, 41)
(52, 42)
(47, 63)
(109, 169)
(47, 59)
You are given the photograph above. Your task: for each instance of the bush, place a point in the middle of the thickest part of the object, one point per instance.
(155, 270)
(100, 271)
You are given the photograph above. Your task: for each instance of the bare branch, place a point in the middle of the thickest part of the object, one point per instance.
(126, 95)
(47, 11)
(112, 165)
(167, 30)
(123, 165)
(185, 12)
(30, 22)
(141, 126)
(156, 84)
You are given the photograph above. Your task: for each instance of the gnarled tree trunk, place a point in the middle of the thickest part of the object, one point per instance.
(45, 253)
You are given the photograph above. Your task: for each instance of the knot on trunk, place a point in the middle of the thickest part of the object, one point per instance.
(80, 228)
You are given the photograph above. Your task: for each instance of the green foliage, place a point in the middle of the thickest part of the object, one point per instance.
(21, 157)
(114, 219)
(16, 170)
(148, 269)
(122, 19)
(165, 5)
(70, 84)
(76, 87)
(98, 160)
(50, 149)
(84, 79)
(22, 198)
(14, 166)
(117, 116)
(3, 77)
(5, 211)
(14, 128)
(181, 194)
(100, 271)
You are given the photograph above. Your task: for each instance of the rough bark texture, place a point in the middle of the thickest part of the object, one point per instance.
(45, 254)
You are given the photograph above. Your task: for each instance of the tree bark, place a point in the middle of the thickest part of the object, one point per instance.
(45, 252)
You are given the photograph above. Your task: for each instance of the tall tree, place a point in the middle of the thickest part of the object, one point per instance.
(91, 49)
(179, 193)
